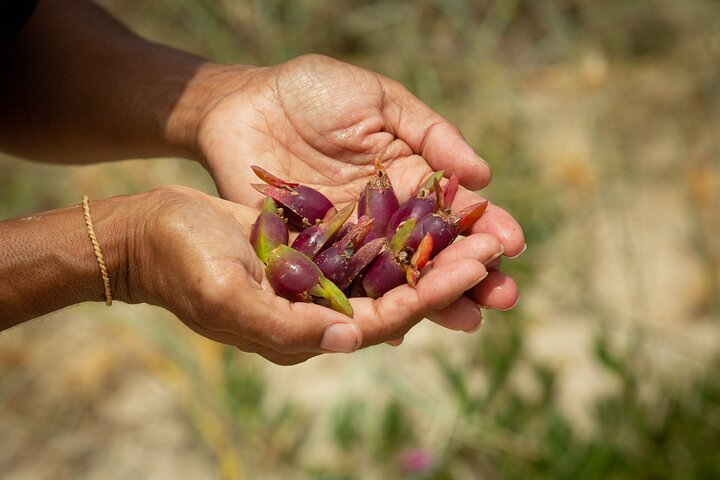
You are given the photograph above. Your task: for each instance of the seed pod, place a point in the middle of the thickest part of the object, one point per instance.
(345, 229)
(304, 206)
(269, 230)
(378, 201)
(419, 260)
(334, 260)
(387, 271)
(364, 256)
(420, 204)
(344, 259)
(295, 277)
(444, 226)
(451, 188)
(314, 239)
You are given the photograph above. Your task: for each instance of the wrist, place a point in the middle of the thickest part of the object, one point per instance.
(211, 83)
(52, 263)
(114, 220)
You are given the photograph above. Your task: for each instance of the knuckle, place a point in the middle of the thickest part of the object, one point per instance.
(393, 323)
(212, 298)
(486, 245)
(478, 246)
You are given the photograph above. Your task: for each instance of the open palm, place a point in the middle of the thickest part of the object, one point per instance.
(322, 122)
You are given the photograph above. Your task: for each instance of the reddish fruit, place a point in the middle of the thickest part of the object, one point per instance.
(314, 239)
(419, 260)
(334, 260)
(420, 204)
(356, 289)
(451, 188)
(269, 230)
(295, 277)
(364, 256)
(345, 229)
(387, 271)
(444, 226)
(378, 201)
(303, 206)
(363, 262)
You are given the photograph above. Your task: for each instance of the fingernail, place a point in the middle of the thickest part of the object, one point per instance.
(479, 324)
(521, 252)
(512, 306)
(502, 250)
(341, 337)
(480, 279)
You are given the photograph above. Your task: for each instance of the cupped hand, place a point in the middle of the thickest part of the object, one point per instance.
(322, 122)
(191, 256)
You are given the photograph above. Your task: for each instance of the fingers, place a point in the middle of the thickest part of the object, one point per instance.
(305, 327)
(240, 310)
(463, 314)
(432, 136)
(481, 247)
(497, 291)
(448, 292)
(495, 221)
(393, 314)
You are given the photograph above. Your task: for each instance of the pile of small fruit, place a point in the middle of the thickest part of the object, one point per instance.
(333, 258)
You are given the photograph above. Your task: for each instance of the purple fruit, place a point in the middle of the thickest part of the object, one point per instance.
(343, 261)
(314, 239)
(269, 230)
(304, 206)
(364, 256)
(384, 274)
(356, 289)
(388, 270)
(295, 277)
(345, 229)
(451, 188)
(440, 227)
(417, 206)
(334, 265)
(334, 260)
(443, 225)
(378, 201)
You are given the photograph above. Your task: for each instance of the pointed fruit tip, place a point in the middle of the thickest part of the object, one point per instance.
(271, 179)
(439, 197)
(468, 216)
(335, 297)
(451, 189)
(419, 260)
(402, 234)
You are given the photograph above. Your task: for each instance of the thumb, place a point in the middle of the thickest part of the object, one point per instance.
(298, 327)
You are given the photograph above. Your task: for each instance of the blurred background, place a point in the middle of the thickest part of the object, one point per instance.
(601, 120)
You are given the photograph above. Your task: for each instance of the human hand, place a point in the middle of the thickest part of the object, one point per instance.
(190, 255)
(321, 122)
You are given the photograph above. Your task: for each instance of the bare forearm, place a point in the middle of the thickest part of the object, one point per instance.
(81, 88)
(47, 261)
